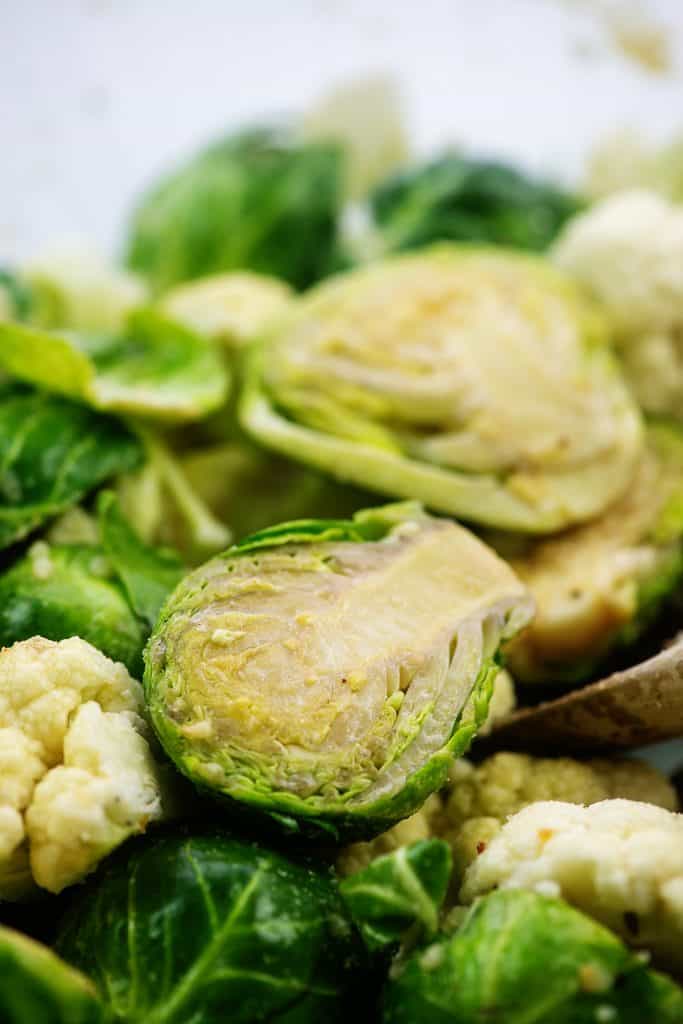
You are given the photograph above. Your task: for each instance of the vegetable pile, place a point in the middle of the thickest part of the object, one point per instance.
(353, 453)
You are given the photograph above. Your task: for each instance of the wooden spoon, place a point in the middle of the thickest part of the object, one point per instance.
(640, 705)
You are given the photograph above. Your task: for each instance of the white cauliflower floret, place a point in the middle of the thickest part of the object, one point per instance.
(479, 798)
(77, 776)
(628, 251)
(620, 861)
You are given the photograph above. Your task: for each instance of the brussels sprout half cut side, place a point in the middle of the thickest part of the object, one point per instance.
(600, 585)
(318, 671)
(476, 380)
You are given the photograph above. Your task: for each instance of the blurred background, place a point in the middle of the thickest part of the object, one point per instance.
(98, 96)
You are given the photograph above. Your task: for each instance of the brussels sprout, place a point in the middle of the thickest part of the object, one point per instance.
(475, 380)
(229, 308)
(257, 201)
(108, 593)
(39, 988)
(459, 199)
(598, 586)
(251, 488)
(52, 453)
(167, 508)
(58, 592)
(520, 957)
(154, 367)
(74, 287)
(212, 929)
(317, 671)
(398, 898)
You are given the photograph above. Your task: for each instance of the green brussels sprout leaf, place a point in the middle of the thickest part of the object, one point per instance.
(52, 453)
(317, 671)
(257, 201)
(521, 957)
(147, 574)
(213, 929)
(39, 988)
(398, 898)
(484, 389)
(153, 368)
(455, 198)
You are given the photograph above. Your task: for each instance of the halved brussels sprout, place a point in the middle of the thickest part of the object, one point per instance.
(475, 380)
(598, 586)
(318, 671)
(39, 988)
(228, 308)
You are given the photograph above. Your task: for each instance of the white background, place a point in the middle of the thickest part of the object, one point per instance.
(98, 96)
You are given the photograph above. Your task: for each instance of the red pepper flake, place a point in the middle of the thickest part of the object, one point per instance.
(481, 847)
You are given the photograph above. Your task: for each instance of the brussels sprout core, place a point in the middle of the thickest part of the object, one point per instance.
(475, 380)
(319, 669)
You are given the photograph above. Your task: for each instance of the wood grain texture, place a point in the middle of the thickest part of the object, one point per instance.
(639, 705)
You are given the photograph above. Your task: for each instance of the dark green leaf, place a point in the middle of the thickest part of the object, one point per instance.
(458, 199)
(256, 201)
(399, 896)
(52, 452)
(523, 958)
(212, 930)
(147, 574)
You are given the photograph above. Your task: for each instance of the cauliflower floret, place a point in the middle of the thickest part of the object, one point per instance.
(621, 861)
(479, 798)
(628, 250)
(470, 810)
(77, 776)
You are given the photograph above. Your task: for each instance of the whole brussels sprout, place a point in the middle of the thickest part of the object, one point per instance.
(475, 380)
(108, 592)
(463, 199)
(520, 957)
(211, 929)
(317, 672)
(257, 200)
(39, 988)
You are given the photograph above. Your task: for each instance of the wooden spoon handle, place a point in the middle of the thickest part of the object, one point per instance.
(640, 705)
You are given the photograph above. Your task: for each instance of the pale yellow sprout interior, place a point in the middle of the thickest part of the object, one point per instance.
(586, 581)
(320, 665)
(474, 361)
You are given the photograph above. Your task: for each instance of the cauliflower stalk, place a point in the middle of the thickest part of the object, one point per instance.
(628, 251)
(77, 775)
(620, 861)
